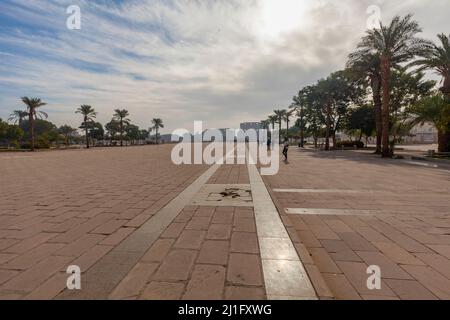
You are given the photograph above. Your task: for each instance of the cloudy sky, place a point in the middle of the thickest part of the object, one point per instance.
(220, 61)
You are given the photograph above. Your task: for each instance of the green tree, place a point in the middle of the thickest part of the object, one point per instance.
(68, 133)
(157, 124)
(33, 105)
(89, 115)
(272, 119)
(433, 109)
(279, 114)
(17, 116)
(133, 133)
(113, 128)
(395, 43)
(362, 120)
(406, 89)
(121, 117)
(366, 67)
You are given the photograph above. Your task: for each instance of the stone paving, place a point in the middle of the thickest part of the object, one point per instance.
(66, 208)
(346, 211)
(134, 224)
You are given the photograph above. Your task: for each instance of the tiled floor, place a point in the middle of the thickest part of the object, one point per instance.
(400, 221)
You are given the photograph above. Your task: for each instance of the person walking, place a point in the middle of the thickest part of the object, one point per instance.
(286, 149)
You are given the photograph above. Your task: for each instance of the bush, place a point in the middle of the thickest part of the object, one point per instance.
(350, 144)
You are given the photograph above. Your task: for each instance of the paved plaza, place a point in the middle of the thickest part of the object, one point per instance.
(140, 227)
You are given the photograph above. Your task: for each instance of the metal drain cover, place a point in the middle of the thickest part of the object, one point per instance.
(224, 195)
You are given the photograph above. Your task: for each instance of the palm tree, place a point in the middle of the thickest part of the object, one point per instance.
(272, 119)
(121, 117)
(438, 59)
(434, 109)
(287, 117)
(279, 115)
(395, 43)
(32, 107)
(17, 117)
(367, 67)
(89, 115)
(157, 124)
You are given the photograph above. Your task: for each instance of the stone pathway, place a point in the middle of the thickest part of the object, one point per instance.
(367, 211)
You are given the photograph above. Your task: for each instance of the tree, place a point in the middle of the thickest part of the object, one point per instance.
(68, 133)
(335, 95)
(396, 43)
(406, 89)
(96, 131)
(133, 133)
(121, 117)
(32, 107)
(366, 67)
(18, 116)
(89, 115)
(272, 119)
(299, 104)
(279, 114)
(362, 120)
(157, 124)
(438, 58)
(435, 110)
(113, 127)
(287, 116)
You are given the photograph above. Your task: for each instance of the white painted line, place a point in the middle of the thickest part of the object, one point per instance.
(338, 212)
(416, 163)
(285, 276)
(320, 191)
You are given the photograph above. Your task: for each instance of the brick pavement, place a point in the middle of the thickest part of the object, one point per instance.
(73, 207)
(399, 219)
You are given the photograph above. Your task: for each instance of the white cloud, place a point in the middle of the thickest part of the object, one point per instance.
(217, 61)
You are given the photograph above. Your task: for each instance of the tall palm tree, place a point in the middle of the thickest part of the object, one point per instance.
(157, 124)
(272, 119)
(287, 117)
(279, 115)
(438, 58)
(89, 115)
(367, 67)
(121, 117)
(17, 117)
(395, 43)
(32, 107)
(433, 109)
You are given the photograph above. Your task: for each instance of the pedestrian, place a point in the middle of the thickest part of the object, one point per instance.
(286, 149)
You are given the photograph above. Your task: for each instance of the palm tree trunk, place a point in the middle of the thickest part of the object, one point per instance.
(328, 130)
(444, 141)
(376, 88)
(121, 133)
(31, 126)
(385, 85)
(86, 131)
(302, 128)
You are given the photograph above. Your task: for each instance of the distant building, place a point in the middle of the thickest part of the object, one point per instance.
(422, 134)
(251, 125)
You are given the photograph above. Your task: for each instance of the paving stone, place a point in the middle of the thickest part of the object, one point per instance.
(190, 239)
(219, 232)
(214, 252)
(244, 242)
(244, 293)
(176, 266)
(158, 251)
(206, 283)
(244, 269)
(134, 282)
(156, 290)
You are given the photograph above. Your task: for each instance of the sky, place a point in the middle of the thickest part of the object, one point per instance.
(219, 61)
